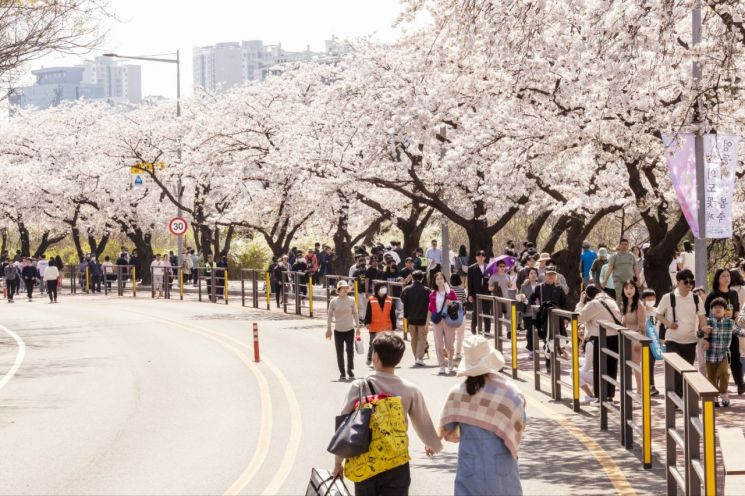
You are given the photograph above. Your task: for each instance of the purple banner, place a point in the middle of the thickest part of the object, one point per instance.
(681, 160)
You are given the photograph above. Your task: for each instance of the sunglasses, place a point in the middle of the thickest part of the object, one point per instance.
(689, 282)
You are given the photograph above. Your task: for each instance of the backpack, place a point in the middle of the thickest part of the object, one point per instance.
(663, 329)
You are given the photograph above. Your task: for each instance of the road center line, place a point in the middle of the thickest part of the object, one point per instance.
(20, 355)
(265, 432)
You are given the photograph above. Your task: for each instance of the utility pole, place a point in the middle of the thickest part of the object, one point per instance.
(445, 230)
(701, 254)
(179, 212)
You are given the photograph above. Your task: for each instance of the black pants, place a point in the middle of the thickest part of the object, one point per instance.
(529, 325)
(688, 353)
(342, 338)
(12, 286)
(735, 365)
(52, 290)
(96, 283)
(612, 344)
(485, 308)
(393, 482)
(29, 281)
(651, 370)
(195, 276)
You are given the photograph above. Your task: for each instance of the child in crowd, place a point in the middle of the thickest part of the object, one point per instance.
(718, 335)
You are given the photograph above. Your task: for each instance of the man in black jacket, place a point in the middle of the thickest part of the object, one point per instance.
(478, 283)
(548, 294)
(415, 299)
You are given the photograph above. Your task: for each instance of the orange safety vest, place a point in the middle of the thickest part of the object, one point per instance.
(381, 317)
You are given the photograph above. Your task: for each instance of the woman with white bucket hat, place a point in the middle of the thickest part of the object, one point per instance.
(343, 314)
(486, 415)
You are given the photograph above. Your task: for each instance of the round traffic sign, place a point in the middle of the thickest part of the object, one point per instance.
(178, 226)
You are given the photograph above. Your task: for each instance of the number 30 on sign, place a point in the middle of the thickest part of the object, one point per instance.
(178, 226)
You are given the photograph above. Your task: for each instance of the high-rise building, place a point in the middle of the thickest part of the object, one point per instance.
(99, 79)
(225, 65)
(122, 83)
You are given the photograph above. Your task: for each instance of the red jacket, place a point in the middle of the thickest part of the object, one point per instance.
(433, 300)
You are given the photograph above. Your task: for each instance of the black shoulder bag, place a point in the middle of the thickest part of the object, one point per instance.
(352, 436)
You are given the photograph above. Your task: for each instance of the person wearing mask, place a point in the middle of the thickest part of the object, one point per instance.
(380, 315)
(434, 262)
(683, 314)
(594, 307)
(486, 416)
(478, 283)
(342, 313)
(109, 273)
(311, 261)
(586, 260)
(649, 297)
(440, 299)
(526, 294)
(28, 274)
(456, 284)
(547, 295)
(415, 299)
(722, 288)
(387, 351)
(634, 317)
(51, 275)
(621, 267)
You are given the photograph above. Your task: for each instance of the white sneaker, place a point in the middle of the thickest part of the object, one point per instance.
(419, 362)
(530, 355)
(586, 400)
(442, 371)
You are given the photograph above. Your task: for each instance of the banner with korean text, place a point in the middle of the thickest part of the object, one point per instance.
(720, 165)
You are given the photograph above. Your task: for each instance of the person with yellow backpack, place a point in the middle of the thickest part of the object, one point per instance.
(384, 469)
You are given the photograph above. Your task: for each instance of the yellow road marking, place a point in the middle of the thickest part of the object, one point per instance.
(262, 446)
(615, 474)
(296, 424)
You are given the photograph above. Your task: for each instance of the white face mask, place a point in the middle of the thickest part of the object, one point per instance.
(650, 303)
(383, 291)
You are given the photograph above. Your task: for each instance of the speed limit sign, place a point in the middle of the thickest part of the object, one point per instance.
(178, 226)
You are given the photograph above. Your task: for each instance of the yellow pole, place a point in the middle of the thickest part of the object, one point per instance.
(575, 360)
(87, 280)
(134, 281)
(181, 283)
(513, 335)
(406, 328)
(710, 484)
(268, 291)
(225, 286)
(310, 295)
(646, 411)
(356, 294)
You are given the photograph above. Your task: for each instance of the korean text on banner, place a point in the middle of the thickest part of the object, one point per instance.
(720, 165)
(681, 161)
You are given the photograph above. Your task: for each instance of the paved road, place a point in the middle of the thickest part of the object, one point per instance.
(135, 396)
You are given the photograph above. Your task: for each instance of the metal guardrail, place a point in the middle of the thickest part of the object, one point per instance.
(506, 312)
(559, 340)
(482, 314)
(214, 276)
(253, 276)
(697, 408)
(627, 339)
(119, 274)
(293, 283)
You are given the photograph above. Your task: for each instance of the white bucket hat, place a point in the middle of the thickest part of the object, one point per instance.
(342, 284)
(479, 358)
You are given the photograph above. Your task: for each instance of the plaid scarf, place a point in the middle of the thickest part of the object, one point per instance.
(498, 407)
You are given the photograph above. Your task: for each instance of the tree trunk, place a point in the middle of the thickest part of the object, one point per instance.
(535, 227)
(46, 242)
(143, 243)
(97, 247)
(25, 240)
(479, 238)
(413, 227)
(75, 232)
(3, 240)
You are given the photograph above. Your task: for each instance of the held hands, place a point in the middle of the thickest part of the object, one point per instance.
(430, 452)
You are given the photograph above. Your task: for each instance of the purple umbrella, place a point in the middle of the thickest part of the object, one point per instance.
(509, 262)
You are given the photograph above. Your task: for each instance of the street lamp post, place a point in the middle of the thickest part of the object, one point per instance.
(701, 268)
(177, 61)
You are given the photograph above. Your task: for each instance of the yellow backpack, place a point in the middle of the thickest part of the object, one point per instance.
(389, 440)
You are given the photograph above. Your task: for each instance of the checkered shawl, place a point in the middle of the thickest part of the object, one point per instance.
(498, 407)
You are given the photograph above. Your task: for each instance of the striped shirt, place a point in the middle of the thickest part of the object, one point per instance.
(460, 293)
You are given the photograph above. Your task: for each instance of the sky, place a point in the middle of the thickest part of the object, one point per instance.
(150, 27)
